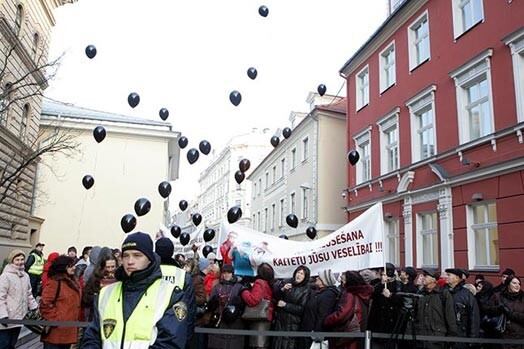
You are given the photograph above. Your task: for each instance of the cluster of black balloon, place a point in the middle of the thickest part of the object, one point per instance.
(243, 166)
(128, 221)
(193, 154)
(353, 157)
(209, 234)
(275, 140)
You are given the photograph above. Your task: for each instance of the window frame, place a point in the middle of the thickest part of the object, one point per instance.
(387, 123)
(417, 105)
(362, 139)
(420, 239)
(362, 88)
(413, 41)
(305, 148)
(282, 167)
(475, 70)
(282, 212)
(459, 25)
(293, 158)
(472, 227)
(515, 41)
(273, 214)
(395, 236)
(305, 203)
(383, 63)
(292, 202)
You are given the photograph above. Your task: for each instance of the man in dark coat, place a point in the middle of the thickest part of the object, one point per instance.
(321, 303)
(34, 266)
(139, 278)
(507, 272)
(466, 307)
(435, 312)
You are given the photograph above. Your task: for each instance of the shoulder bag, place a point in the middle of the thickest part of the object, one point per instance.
(259, 312)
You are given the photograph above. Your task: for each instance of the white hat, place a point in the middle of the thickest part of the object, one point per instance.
(211, 256)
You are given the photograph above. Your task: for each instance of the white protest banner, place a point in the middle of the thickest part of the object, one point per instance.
(196, 238)
(355, 246)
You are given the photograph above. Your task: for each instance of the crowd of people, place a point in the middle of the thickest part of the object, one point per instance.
(143, 295)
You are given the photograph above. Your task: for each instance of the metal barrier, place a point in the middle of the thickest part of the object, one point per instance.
(368, 336)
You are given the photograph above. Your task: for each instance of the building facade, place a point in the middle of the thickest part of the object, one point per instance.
(303, 174)
(134, 158)
(25, 34)
(435, 109)
(219, 190)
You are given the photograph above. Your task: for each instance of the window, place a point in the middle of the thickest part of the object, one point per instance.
(515, 41)
(26, 115)
(483, 236)
(392, 240)
(427, 239)
(389, 146)
(305, 149)
(282, 167)
(418, 36)
(19, 19)
(466, 13)
(292, 201)
(254, 189)
(305, 203)
(474, 98)
(36, 44)
(362, 88)
(274, 173)
(259, 186)
(293, 158)
(281, 221)
(254, 222)
(267, 180)
(422, 118)
(387, 67)
(259, 226)
(273, 215)
(363, 146)
(266, 219)
(5, 99)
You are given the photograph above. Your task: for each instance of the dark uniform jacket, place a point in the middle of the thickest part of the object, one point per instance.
(173, 331)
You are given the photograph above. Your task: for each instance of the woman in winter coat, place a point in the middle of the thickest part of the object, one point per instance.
(16, 297)
(103, 274)
(291, 297)
(321, 303)
(262, 289)
(510, 301)
(61, 302)
(212, 278)
(354, 301)
(227, 305)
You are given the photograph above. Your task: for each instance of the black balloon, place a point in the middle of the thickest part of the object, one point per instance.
(192, 156)
(183, 205)
(252, 73)
(209, 234)
(263, 11)
(283, 236)
(204, 147)
(239, 176)
(235, 97)
(176, 231)
(184, 238)
(128, 222)
(197, 218)
(133, 99)
(321, 89)
(311, 232)
(142, 206)
(234, 214)
(182, 142)
(292, 220)
(244, 165)
(88, 181)
(274, 141)
(353, 157)
(286, 132)
(164, 189)
(91, 51)
(164, 114)
(206, 250)
(99, 133)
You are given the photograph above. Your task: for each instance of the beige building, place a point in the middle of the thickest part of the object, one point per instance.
(304, 174)
(136, 155)
(25, 32)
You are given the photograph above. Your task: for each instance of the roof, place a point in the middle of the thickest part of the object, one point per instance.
(337, 107)
(54, 108)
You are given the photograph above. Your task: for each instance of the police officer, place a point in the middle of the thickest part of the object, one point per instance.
(141, 310)
(34, 266)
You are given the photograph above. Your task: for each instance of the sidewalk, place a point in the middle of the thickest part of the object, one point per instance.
(28, 340)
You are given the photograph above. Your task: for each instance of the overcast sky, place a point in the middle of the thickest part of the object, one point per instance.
(188, 56)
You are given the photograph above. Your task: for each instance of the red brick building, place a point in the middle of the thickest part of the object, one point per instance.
(436, 111)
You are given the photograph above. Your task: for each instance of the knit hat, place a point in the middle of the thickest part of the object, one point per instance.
(164, 248)
(368, 275)
(203, 263)
(508, 272)
(211, 256)
(141, 242)
(15, 253)
(227, 268)
(327, 277)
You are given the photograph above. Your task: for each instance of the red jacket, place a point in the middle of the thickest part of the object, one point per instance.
(45, 279)
(261, 290)
(209, 282)
(66, 308)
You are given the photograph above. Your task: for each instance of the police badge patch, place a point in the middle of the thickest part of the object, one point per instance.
(109, 327)
(180, 310)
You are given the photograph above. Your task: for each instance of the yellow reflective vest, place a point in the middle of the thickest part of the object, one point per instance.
(173, 274)
(140, 329)
(37, 268)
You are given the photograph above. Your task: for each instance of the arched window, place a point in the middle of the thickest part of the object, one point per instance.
(26, 115)
(36, 44)
(5, 94)
(19, 18)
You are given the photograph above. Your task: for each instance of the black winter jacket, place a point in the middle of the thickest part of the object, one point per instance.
(466, 311)
(384, 312)
(321, 303)
(435, 314)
